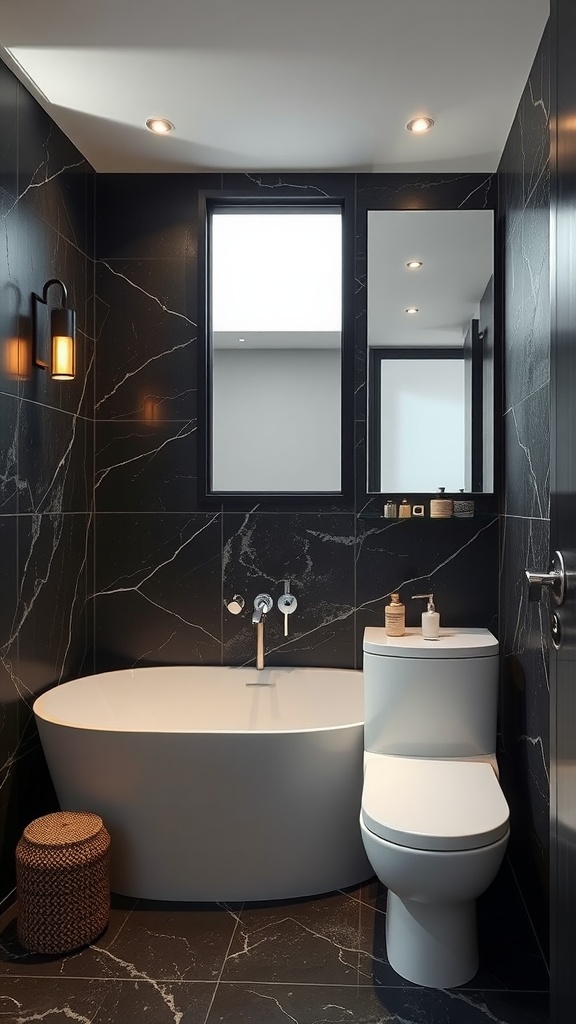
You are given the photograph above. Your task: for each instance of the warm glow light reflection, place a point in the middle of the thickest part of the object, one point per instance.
(151, 410)
(17, 358)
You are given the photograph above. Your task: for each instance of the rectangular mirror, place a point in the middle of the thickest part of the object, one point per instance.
(274, 339)
(430, 326)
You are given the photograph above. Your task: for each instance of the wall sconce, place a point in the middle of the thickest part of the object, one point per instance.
(62, 334)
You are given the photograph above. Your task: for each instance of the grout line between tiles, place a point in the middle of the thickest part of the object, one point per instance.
(224, 959)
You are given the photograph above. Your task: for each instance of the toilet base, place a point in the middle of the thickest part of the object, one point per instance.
(432, 944)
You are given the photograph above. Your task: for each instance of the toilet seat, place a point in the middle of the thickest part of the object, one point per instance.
(433, 804)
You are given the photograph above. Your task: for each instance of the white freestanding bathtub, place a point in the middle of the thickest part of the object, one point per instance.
(215, 783)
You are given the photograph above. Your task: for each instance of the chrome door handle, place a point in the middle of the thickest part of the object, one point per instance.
(555, 578)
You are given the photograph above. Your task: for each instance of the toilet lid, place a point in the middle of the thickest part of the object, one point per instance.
(433, 804)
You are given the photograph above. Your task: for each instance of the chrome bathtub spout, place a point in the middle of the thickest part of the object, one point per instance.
(262, 605)
(260, 644)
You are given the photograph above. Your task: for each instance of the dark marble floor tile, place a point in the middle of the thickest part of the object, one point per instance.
(327, 940)
(94, 1001)
(26, 999)
(254, 1003)
(172, 942)
(146, 1001)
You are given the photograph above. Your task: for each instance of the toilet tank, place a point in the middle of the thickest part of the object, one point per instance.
(430, 698)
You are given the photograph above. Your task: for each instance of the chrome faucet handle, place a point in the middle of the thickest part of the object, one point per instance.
(287, 604)
(236, 605)
(262, 605)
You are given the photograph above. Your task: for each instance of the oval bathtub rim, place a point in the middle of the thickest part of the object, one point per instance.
(51, 719)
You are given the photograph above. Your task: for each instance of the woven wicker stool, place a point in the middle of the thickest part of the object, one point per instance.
(62, 879)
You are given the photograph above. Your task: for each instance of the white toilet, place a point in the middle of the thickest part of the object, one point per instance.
(434, 820)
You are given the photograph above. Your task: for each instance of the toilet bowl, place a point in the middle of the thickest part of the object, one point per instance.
(433, 820)
(435, 833)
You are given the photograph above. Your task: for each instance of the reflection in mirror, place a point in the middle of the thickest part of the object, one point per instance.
(430, 342)
(275, 331)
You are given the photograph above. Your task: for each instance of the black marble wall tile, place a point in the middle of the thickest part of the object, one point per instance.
(9, 696)
(132, 224)
(146, 467)
(157, 590)
(46, 461)
(524, 197)
(525, 698)
(49, 619)
(146, 366)
(315, 553)
(524, 206)
(323, 186)
(9, 483)
(418, 556)
(55, 460)
(527, 446)
(424, 191)
(9, 137)
(52, 174)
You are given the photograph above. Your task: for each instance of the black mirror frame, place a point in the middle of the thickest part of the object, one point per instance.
(421, 192)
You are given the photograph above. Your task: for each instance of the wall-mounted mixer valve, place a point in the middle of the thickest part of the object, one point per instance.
(287, 604)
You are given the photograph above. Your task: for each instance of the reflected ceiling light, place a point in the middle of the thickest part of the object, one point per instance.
(414, 264)
(411, 309)
(62, 333)
(418, 125)
(159, 125)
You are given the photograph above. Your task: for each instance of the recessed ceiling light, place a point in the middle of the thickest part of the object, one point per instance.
(414, 264)
(411, 309)
(418, 125)
(159, 125)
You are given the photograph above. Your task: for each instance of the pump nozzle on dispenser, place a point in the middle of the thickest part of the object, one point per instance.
(430, 618)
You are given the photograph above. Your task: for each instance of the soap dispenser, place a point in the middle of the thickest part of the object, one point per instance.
(430, 618)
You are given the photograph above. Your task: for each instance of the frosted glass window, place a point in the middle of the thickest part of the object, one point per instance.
(422, 425)
(275, 289)
(277, 271)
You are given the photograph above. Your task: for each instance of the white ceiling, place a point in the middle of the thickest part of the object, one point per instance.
(277, 85)
(456, 249)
